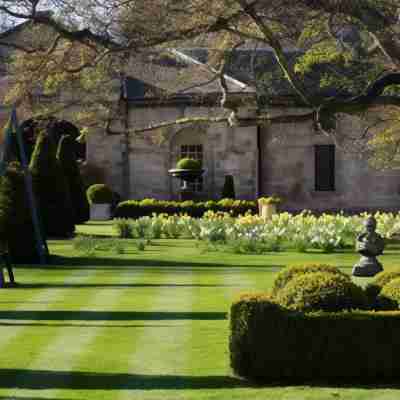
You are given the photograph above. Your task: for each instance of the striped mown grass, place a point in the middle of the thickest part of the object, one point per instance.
(142, 325)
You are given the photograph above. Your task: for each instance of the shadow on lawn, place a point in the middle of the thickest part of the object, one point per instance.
(110, 315)
(43, 379)
(75, 380)
(31, 398)
(115, 263)
(118, 285)
(75, 325)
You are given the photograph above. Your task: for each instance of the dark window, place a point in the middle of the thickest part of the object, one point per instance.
(325, 167)
(196, 152)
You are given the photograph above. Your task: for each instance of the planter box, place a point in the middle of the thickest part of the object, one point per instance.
(100, 212)
(269, 344)
(266, 211)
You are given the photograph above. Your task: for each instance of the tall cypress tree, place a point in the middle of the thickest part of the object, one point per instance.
(16, 227)
(51, 189)
(66, 156)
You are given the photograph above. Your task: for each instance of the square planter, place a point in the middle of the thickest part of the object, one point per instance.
(266, 211)
(100, 212)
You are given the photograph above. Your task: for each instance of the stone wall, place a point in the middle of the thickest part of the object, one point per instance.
(288, 170)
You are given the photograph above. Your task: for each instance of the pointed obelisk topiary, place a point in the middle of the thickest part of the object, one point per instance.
(228, 191)
(66, 156)
(51, 189)
(16, 227)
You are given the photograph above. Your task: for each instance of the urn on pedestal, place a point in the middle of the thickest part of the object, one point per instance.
(187, 170)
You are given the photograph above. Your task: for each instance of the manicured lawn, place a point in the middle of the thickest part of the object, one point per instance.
(142, 325)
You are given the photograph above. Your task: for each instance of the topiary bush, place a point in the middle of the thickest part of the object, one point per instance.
(100, 194)
(389, 296)
(288, 273)
(228, 191)
(380, 280)
(271, 344)
(66, 156)
(51, 189)
(321, 291)
(188, 163)
(16, 227)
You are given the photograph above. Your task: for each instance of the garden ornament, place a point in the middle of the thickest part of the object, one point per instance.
(370, 245)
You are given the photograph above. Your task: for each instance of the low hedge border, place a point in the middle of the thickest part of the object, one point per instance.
(148, 207)
(269, 343)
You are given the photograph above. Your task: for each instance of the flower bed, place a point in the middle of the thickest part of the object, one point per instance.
(250, 233)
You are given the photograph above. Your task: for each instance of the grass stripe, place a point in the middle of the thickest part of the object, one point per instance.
(161, 350)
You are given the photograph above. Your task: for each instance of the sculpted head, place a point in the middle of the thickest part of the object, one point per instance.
(370, 224)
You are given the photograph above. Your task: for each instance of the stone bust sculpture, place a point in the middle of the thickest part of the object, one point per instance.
(370, 245)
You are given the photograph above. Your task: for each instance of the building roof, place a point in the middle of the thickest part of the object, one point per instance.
(172, 73)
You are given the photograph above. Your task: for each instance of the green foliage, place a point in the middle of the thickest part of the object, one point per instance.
(287, 274)
(99, 194)
(269, 200)
(124, 228)
(389, 296)
(51, 189)
(269, 343)
(66, 156)
(321, 53)
(188, 163)
(148, 207)
(321, 291)
(248, 246)
(89, 245)
(228, 191)
(380, 280)
(16, 227)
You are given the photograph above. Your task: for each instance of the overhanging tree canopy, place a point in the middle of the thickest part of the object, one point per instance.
(355, 45)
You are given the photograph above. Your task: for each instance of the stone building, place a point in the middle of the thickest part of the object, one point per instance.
(291, 160)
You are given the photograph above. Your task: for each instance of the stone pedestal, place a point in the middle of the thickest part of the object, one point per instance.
(100, 212)
(367, 266)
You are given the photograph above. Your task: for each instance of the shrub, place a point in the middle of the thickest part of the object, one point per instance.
(228, 191)
(321, 291)
(99, 194)
(188, 163)
(380, 280)
(389, 296)
(148, 207)
(270, 344)
(288, 273)
(16, 227)
(51, 189)
(66, 156)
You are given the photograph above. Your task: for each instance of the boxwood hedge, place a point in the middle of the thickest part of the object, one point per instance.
(147, 207)
(269, 343)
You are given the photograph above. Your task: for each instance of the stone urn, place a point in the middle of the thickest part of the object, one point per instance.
(187, 170)
(186, 176)
(370, 245)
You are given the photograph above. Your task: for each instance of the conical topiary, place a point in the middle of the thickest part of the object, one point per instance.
(16, 227)
(228, 191)
(66, 156)
(51, 189)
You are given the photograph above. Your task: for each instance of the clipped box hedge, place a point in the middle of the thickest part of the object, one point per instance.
(148, 207)
(269, 343)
